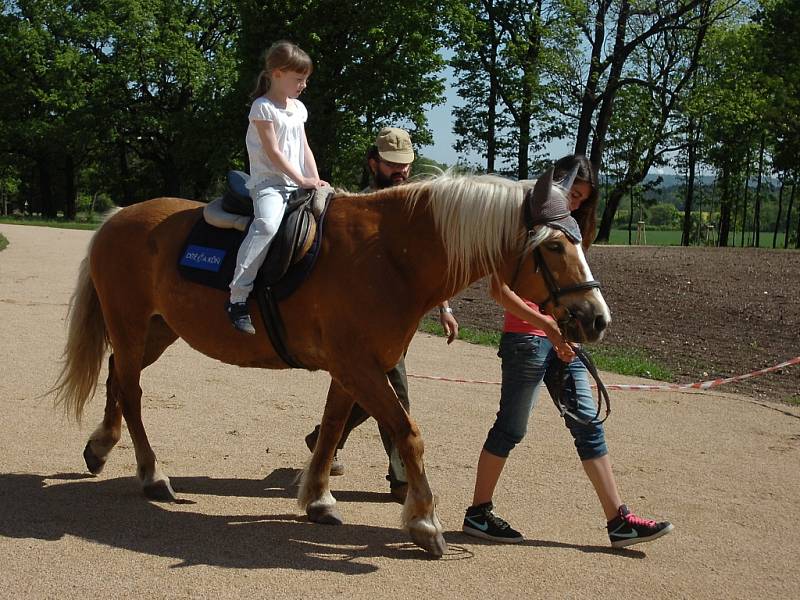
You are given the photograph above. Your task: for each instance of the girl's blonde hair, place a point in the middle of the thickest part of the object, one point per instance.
(285, 56)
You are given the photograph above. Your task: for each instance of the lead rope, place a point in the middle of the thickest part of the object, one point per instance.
(602, 393)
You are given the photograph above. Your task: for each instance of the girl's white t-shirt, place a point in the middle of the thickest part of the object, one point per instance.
(289, 123)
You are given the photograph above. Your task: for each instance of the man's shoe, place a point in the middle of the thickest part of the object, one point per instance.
(337, 467)
(399, 493)
(480, 521)
(627, 529)
(240, 317)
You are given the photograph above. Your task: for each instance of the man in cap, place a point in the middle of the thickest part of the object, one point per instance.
(389, 162)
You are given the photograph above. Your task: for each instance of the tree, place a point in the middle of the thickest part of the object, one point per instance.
(651, 91)
(510, 58)
(371, 68)
(731, 88)
(629, 25)
(139, 87)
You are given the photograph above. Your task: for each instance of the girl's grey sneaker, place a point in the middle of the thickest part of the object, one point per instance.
(240, 317)
(627, 529)
(480, 521)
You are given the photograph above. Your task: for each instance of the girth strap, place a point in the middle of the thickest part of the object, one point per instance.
(273, 323)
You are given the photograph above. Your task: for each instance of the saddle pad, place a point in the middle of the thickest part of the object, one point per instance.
(209, 254)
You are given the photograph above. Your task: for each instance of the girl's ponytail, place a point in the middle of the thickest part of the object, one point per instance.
(262, 84)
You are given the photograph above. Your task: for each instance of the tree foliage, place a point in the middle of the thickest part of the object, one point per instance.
(140, 98)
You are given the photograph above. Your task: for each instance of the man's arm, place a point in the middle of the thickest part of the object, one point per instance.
(448, 321)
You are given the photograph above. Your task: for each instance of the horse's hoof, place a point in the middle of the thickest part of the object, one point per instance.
(160, 491)
(93, 463)
(324, 514)
(433, 545)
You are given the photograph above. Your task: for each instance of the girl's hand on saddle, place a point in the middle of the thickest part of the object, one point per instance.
(312, 183)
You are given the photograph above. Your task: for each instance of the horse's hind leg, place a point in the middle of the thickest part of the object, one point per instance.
(108, 433)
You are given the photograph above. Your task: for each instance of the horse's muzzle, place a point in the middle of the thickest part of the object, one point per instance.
(585, 320)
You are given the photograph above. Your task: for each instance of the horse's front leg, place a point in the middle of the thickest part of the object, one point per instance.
(372, 391)
(314, 495)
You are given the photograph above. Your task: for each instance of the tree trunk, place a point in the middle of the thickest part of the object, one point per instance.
(491, 124)
(172, 179)
(687, 207)
(746, 190)
(524, 129)
(725, 209)
(757, 206)
(780, 211)
(588, 100)
(70, 191)
(46, 188)
(612, 87)
(797, 235)
(630, 219)
(127, 190)
(789, 214)
(612, 203)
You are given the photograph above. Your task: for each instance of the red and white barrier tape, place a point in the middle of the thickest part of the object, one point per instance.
(702, 385)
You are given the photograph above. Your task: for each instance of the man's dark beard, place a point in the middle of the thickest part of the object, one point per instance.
(382, 181)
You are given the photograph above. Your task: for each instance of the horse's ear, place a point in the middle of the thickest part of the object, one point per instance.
(537, 197)
(541, 191)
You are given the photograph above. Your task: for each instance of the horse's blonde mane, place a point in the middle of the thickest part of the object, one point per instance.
(479, 218)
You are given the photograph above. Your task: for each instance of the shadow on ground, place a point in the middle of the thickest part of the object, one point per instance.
(113, 512)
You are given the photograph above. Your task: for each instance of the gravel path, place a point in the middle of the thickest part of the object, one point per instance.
(723, 468)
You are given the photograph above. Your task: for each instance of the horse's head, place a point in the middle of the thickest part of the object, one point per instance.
(553, 272)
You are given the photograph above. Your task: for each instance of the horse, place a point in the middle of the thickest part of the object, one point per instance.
(385, 260)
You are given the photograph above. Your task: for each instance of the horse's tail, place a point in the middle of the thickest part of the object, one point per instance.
(87, 340)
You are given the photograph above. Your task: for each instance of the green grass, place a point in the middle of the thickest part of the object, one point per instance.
(626, 361)
(794, 400)
(473, 336)
(59, 223)
(3, 242)
(615, 360)
(673, 238)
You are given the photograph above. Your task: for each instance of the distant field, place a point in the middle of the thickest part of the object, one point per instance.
(673, 238)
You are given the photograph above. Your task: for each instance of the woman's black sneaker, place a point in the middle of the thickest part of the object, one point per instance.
(240, 317)
(626, 529)
(480, 521)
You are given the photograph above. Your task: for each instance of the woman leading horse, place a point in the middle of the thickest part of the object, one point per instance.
(386, 259)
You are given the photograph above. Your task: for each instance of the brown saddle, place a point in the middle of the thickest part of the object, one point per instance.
(297, 230)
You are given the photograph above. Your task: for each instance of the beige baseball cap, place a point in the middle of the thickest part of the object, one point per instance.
(394, 145)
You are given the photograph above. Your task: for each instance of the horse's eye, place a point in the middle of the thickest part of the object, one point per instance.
(556, 247)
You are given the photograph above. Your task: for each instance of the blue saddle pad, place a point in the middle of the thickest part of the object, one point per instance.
(209, 254)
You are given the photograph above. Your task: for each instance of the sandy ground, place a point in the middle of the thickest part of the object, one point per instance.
(723, 468)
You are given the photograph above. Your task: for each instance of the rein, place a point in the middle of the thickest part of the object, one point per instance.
(602, 394)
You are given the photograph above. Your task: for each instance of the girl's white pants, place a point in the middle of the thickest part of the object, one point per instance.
(269, 204)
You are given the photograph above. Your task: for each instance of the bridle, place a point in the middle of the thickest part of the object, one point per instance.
(552, 285)
(555, 292)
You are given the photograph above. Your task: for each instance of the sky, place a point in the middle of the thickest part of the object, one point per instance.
(440, 120)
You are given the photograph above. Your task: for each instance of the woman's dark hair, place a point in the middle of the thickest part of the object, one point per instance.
(586, 214)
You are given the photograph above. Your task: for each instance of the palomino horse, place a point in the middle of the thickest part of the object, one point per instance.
(386, 259)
